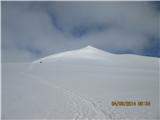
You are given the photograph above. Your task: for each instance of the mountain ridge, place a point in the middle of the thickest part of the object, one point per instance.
(92, 53)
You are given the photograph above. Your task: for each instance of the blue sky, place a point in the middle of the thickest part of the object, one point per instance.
(31, 30)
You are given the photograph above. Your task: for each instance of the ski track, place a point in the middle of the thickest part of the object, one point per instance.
(84, 107)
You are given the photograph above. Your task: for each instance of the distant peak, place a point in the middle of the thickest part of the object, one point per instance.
(88, 52)
(89, 47)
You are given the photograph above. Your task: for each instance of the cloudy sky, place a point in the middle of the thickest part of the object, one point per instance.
(31, 30)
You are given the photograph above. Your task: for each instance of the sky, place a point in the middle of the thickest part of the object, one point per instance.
(32, 30)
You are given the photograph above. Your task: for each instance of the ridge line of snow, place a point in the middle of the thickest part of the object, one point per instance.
(88, 52)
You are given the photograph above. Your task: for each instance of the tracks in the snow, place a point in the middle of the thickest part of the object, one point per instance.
(84, 107)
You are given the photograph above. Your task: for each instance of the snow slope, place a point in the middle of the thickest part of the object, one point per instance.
(81, 84)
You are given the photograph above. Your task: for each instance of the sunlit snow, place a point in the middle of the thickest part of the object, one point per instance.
(80, 84)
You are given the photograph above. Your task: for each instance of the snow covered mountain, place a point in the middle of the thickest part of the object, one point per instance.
(88, 52)
(91, 53)
(81, 84)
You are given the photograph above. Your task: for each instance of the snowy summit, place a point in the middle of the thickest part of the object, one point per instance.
(88, 52)
(92, 54)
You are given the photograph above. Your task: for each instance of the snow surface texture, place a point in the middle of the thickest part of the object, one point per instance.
(81, 84)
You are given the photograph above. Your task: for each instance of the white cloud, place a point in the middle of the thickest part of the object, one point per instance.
(132, 16)
(127, 26)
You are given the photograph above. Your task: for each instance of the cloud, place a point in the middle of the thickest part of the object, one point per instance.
(133, 16)
(31, 30)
